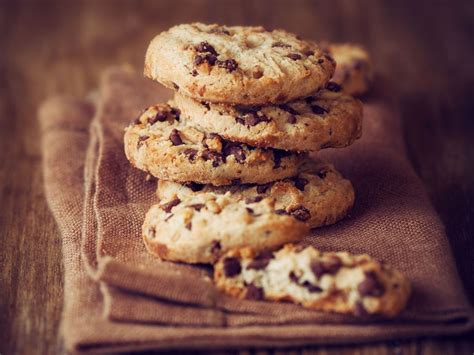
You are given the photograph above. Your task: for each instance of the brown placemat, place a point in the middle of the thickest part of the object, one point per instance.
(117, 297)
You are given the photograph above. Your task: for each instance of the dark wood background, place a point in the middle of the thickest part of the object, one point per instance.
(424, 49)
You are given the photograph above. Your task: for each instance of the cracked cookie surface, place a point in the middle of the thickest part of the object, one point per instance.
(327, 119)
(318, 195)
(200, 228)
(158, 143)
(327, 281)
(237, 64)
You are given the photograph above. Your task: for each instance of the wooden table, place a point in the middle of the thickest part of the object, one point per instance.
(425, 50)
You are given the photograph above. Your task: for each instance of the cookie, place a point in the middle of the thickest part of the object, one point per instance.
(318, 195)
(238, 65)
(201, 228)
(327, 119)
(326, 281)
(354, 72)
(160, 144)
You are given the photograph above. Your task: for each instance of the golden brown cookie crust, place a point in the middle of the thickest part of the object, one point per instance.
(319, 195)
(326, 119)
(238, 65)
(201, 228)
(168, 149)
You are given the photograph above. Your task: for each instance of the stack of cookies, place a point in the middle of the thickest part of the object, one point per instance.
(231, 150)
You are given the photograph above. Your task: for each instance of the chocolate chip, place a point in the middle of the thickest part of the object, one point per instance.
(194, 72)
(294, 56)
(257, 73)
(210, 58)
(265, 254)
(322, 173)
(308, 53)
(206, 47)
(141, 139)
(300, 213)
(215, 247)
(371, 286)
(175, 138)
(333, 264)
(278, 155)
(160, 116)
(229, 65)
(213, 135)
(198, 206)
(330, 266)
(293, 277)
(300, 183)
(254, 293)
(312, 288)
(232, 266)
(176, 86)
(255, 119)
(175, 112)
(167, 207)
(280, 45)
(194, 186)
(136, 121)
(281, 211)
(288, 109)
(250, 211)
(252, 119)
(206, 105)
(254, 199)
(261, 189)
(318, 109)
(334, 87)
(258, 264)
(198, 60)
(247, 109)
(189, 225)
(215, 157)
(309, 99)
(317, 268)
(190, 153)
(236, 150)
(292, 119)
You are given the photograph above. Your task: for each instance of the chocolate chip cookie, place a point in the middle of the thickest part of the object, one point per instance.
(326, 281)
(318, 195)
(200, 228)
(354, 72)
(159, 143)
(238, 65)
(327, 119)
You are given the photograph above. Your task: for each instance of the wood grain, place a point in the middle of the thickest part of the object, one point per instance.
(424, 49)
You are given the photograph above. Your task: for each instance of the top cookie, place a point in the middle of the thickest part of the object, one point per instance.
(238, 65)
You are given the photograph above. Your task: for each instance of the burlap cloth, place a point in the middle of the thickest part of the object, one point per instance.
(117, 297)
